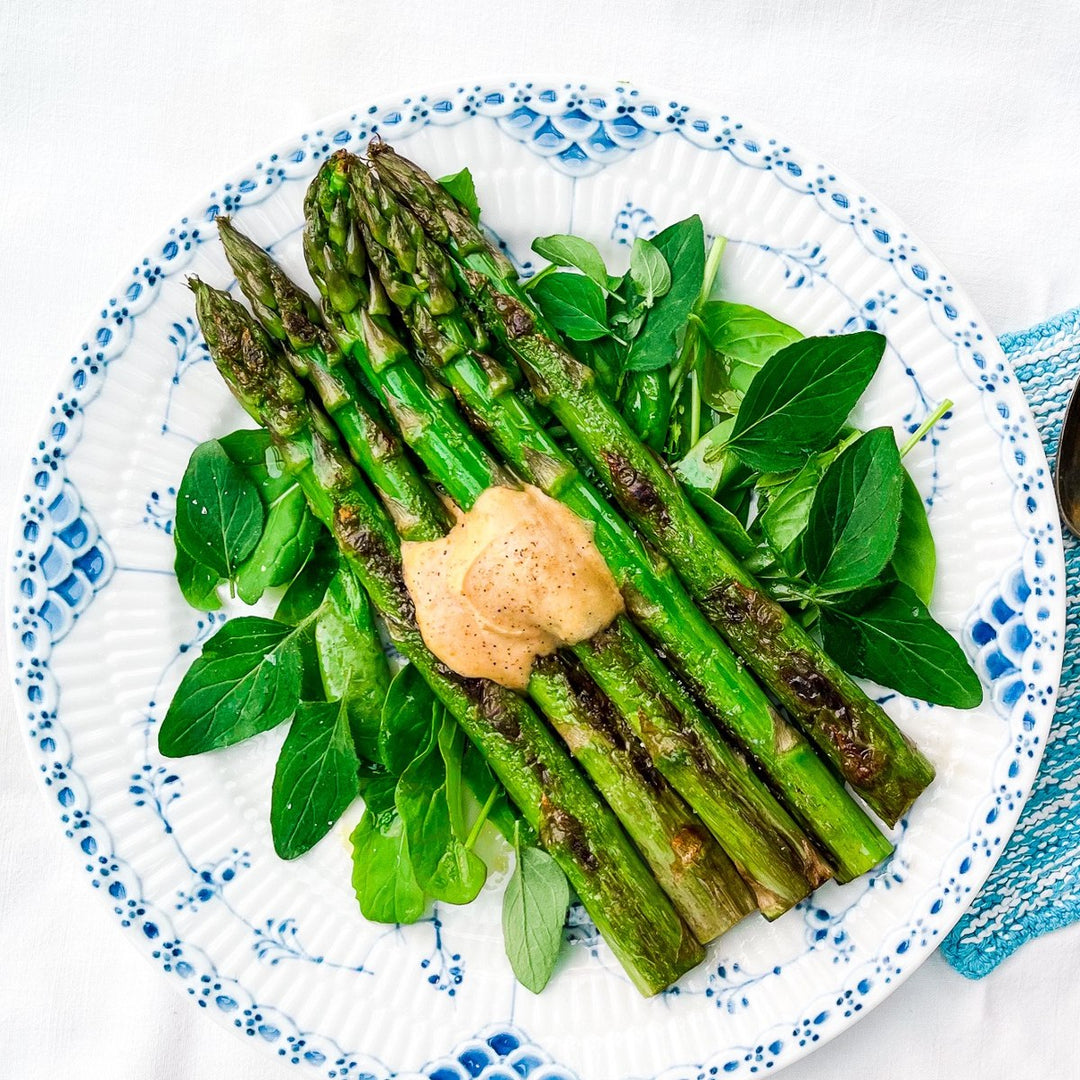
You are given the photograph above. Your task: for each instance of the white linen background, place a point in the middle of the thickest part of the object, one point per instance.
(961, 115)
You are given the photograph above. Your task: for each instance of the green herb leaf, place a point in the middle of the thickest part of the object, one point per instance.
(708, 465)
(573, 304)
(219, 515)
(316, 777)
(287, 541)
(742, 339)
(247, 680)
(289, 531)
(197, 582)
(352, 661)
(890, 637)
(407, 719)
(420, 798)
(649, 271)
(534, 911)
(565, 250)
(783, 520)
(463, 188)
(311, 684)
(914, 559)
(711, 470)
(683, 248)
(626, 305)
(460, 874)
(725, 526)
(452, 741)
(306, 591)
(382, 876)
(745, 334)
(801, 397)
(253, 451)
(853, 522)
(784, 501)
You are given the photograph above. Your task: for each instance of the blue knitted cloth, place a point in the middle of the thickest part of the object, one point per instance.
(1035, 886)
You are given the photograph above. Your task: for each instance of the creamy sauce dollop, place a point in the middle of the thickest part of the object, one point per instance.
(515, 578)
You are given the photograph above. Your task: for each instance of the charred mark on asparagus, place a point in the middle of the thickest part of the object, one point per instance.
(559, 828)
(633, 488)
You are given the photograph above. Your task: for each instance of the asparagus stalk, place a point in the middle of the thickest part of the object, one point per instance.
(287, 313)
(850, 729)
(418, 277)
(580, 832)
(752, 827)
(687, 861)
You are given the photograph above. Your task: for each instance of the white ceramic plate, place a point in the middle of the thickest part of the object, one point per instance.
(181, 850)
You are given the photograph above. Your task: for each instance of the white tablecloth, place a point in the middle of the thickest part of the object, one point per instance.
(963, 115)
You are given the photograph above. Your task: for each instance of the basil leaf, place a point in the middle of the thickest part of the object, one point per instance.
(230, 539)
(723, 523)
(738, 499)
(407, 719)
(311, 685)
(247, 680)
(451, 742)
(683, 248)
(649, 271)
(306, 591)
(197, 582)
(420, 798)
(287, 541)
(462, 186)
(382, 876)
(852, 527)
(219, 515)
(352, 661)
(784, 501)
(316, 777)
(564, 250)
(290, 529)
(744, 334)
(709, 465)
(627, 322)
(742, 339)
(573, 304)
(892, 638)
(914, 560)
(799, 400)
(783, 520)
(255, 453)
(461, 873)
(534, 911)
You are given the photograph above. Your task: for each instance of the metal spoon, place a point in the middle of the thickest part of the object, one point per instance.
(1067, 466)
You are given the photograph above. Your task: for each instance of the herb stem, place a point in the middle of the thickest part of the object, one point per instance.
(712, 268)
(540, 275)
(924, 428)
(677, 373)
(478, 824)
(695, 407)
